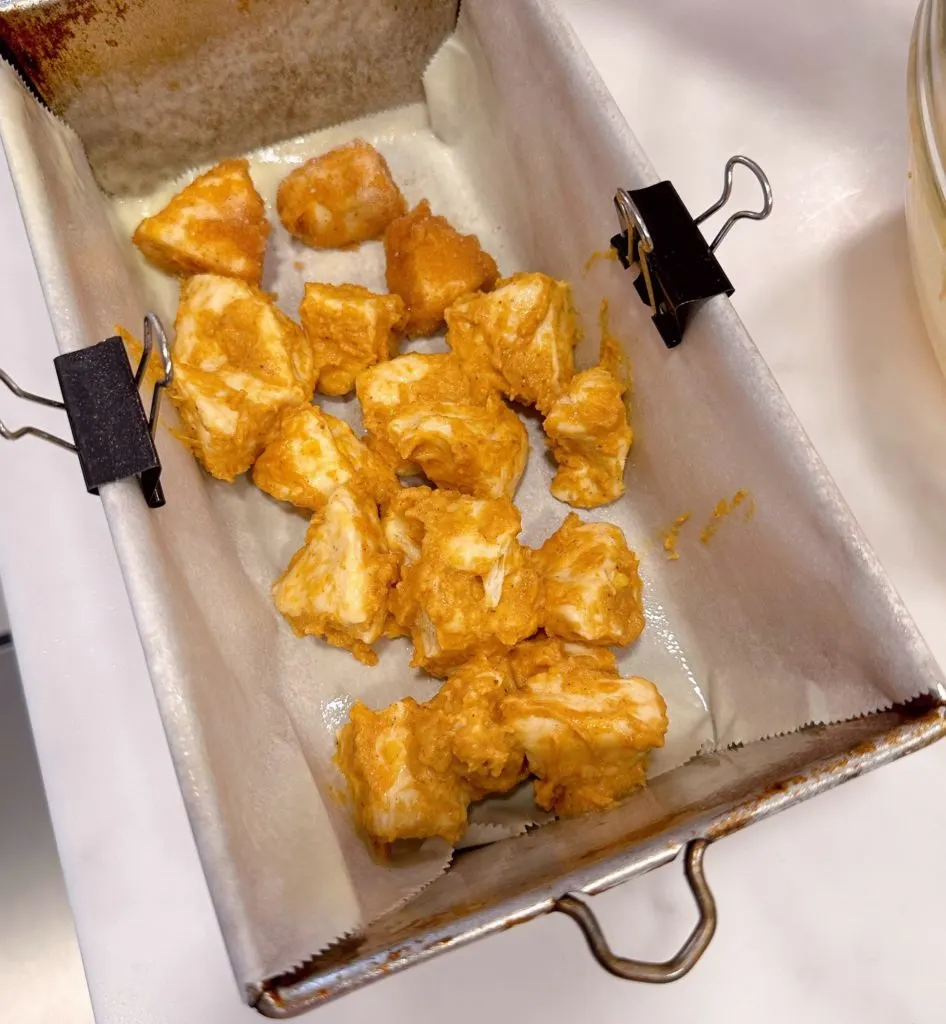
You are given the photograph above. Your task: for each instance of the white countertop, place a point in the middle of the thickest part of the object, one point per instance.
(827, 912)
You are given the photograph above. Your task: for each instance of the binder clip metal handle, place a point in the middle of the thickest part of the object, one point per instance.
(678, 267)
(112, 436)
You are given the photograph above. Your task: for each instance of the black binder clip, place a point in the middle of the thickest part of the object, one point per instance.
(678, 268)
(113, 437)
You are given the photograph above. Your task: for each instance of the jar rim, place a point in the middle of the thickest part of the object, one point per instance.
(924, 72)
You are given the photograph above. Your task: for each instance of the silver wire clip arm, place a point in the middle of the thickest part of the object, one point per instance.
(679, 270)
(112, 436)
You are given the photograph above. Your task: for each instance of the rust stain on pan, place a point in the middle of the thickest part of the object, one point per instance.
(445, 917)
(860, 756)
(406, 953)
(747, 813)
(41, 40)
(60, 47)
(154, 88)
(868, 747)
(391, 959)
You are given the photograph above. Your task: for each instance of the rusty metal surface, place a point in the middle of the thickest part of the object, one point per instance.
(155, 88)
(496, 887)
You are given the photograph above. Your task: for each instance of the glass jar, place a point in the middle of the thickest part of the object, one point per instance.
(926, 179)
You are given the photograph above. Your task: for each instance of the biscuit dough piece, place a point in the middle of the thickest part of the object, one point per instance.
(430, 264)
(404, 523)
(343, 197)
(466, 585)
(238, 363)
(215, 225)
(589, 437)
(386, 389)
(403, 526)
(586, 734)
(350, 329)
(464, 729)
(592, 587)
(337, 584)
(474, 449)
(545, 653)
(518, 338)
(310, 453)
(395, 795)
(579, 728)
(412, 769)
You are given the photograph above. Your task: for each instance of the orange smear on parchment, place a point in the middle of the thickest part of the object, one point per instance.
(608, 254)
(725, 507)
(671, 535)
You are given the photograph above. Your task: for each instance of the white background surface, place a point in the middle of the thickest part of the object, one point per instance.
(830, 912)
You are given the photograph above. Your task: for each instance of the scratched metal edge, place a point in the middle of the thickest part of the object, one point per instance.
(284, 997)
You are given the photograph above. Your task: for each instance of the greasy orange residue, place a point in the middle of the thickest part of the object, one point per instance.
(298, 265)
(339, 794)
(611, 355)
(672, 535)
(725, 507)
(135, 349)
(604, 254)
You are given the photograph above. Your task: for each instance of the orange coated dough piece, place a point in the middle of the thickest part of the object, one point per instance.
(385, 389)
(474, 449)
(463, 729)
(518, 338)
(430, 265)
(395, 794)
(592, 584)
(216, 225)
(564, 716)
(545, 653)
(589, 437)
(311, 453)
(412, 769)
(466, 585)
(238, 363)
(586, 734)
(336, 585)
(350, 328)
(343, 197)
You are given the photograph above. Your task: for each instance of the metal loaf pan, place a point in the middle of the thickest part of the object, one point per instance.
(495, 887)
(152, 89)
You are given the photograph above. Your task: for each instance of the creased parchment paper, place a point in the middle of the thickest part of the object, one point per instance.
(780, 618)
